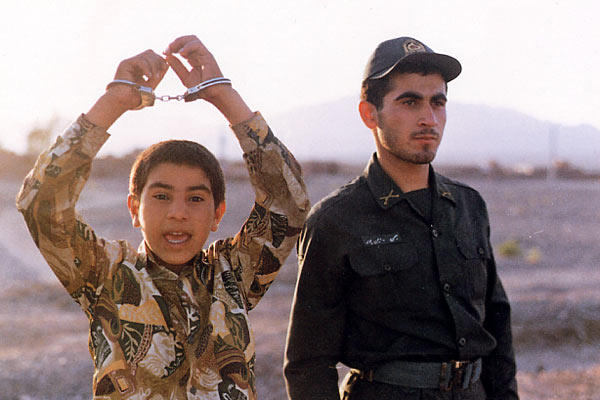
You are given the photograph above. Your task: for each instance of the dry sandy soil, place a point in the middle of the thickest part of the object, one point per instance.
(553, 286)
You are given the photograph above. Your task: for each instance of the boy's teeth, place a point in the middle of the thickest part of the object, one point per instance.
(181, 237)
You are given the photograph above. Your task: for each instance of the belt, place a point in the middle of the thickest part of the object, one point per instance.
(425, 375)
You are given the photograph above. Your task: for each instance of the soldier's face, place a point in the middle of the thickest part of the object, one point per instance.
(411, 121)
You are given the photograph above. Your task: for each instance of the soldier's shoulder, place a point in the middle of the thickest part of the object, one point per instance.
(339, 202)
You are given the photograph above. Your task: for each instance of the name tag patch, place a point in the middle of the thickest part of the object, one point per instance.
(378, 240)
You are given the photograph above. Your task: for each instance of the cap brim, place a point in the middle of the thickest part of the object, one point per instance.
(449, 66)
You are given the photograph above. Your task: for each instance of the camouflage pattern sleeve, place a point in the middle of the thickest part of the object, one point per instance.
(269, 234)
(47, 201)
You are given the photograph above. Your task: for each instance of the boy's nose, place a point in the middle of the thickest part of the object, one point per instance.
(178, 210)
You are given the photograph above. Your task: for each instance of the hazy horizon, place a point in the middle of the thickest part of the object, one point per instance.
(533, 57)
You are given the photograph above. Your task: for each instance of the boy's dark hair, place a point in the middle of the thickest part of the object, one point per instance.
(374, 90)
(179, 152)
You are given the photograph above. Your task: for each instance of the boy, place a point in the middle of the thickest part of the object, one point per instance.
(168, 320)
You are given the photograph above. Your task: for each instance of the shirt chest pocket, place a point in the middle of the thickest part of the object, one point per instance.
(476, 254)
(382, 273)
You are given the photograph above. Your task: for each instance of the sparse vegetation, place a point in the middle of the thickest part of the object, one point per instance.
(534, 255)
(510, 249)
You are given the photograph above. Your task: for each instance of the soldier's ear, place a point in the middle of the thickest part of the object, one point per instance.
(368, 114)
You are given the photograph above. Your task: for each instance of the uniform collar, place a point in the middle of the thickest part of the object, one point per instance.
(155, 267)
(387, 194)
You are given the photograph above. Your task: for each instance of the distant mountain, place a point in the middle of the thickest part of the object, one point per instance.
(475, 134)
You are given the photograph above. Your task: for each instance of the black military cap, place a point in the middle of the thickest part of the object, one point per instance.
(389, 54)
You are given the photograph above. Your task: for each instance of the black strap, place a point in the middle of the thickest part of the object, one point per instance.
(426, 375)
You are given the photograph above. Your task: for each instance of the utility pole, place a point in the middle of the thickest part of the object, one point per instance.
(553, 132)
(222, 145)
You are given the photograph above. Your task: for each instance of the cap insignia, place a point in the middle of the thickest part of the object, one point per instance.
(412, 46)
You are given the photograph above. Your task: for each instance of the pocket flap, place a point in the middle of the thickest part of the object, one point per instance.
(383, 258)
(471, 249)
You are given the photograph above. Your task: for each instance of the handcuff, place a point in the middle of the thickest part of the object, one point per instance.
(148, 96)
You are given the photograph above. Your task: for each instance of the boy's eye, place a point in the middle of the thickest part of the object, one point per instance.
(409, 102)
(196, 199)
(161, 196)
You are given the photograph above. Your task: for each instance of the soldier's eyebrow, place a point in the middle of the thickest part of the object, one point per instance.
(418, 96)
(440, 96)
(409, 95)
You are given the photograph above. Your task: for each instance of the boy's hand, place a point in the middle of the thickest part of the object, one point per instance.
(145, 69)
(204, 66)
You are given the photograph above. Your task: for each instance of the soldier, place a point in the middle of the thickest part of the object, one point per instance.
(397, 276)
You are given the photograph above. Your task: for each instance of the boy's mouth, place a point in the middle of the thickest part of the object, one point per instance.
(177, 237)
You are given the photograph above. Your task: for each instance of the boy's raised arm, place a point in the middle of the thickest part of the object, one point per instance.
(50, 191)
(205, 68)
(145, 69)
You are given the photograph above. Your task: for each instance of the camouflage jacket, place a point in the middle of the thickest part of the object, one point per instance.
(155, 334)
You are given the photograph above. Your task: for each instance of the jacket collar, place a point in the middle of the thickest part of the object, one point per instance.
(387, 194)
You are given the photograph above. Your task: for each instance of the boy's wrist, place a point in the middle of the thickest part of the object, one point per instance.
(125, 97)
(229, 102)
(112, 104)
(220, 95)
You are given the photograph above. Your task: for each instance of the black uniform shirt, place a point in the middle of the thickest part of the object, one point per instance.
(386, 276)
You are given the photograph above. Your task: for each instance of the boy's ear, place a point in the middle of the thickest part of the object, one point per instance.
(368, 114)
(219, 212)
(134, 206)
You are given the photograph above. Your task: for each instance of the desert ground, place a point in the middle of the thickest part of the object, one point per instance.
(545, 236)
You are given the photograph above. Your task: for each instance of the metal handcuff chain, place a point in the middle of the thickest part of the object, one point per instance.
(148, 96)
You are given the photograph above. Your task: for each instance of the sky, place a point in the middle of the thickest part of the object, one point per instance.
(538, 57)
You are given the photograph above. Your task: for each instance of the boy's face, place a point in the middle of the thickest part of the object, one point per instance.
(176, 212)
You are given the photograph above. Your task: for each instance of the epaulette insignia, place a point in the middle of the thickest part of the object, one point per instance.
(387, 198)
